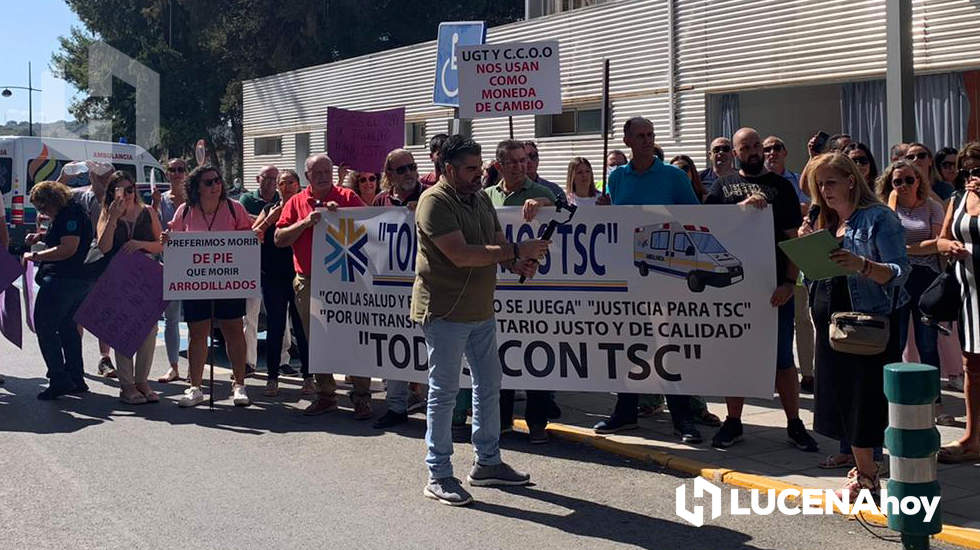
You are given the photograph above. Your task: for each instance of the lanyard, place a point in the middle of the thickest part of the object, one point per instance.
(213, 218)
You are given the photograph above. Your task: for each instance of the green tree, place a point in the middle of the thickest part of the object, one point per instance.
(203, 50)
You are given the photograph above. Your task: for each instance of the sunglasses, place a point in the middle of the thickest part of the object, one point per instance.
(900, 182)
(723, 149)
(410, 167)
(862, 160)
(774, 148)
(364, 179)
(211, 182)
(178, 169)
(920, 155)
(533, 156)
(971, 173)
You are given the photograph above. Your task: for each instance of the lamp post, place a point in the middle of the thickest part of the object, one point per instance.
(30, 99)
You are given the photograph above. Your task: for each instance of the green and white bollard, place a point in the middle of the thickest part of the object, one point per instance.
(912, 441)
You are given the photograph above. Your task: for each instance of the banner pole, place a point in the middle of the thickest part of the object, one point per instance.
(605, 123)
(510, 124)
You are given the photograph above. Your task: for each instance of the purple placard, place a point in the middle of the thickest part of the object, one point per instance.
(29, 292)
(362, 140)
(10, 268)
(125, 303)
(10, 325)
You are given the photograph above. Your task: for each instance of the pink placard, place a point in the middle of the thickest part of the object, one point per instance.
(361, 139)
(10, 319)
(125, 302)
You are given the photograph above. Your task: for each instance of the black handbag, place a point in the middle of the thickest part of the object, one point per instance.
(942, 301)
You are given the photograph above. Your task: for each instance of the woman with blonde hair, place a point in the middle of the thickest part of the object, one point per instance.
(849, 401)
(63, 282)
(580, 186)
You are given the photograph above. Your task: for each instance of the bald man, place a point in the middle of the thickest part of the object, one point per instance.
(754, 185)
(720, 161)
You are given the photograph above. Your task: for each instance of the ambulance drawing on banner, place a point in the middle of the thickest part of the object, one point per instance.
(686, 251)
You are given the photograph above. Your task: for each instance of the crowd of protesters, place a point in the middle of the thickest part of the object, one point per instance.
(899, 226)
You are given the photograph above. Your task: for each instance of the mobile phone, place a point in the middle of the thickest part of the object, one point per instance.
(820, 141)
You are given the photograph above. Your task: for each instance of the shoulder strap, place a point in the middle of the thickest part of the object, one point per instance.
(231, 210)
(958, 196)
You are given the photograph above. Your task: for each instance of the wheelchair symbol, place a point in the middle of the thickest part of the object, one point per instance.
(451, 62)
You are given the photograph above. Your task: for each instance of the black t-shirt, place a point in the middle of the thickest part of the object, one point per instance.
(780, 195)
(71, 221)
(276, 262)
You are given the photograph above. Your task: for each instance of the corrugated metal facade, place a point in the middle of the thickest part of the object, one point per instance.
(720, 45)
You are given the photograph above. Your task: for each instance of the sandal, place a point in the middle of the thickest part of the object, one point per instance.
(150, 395)
(271, 389)
(945, 420)
(132, 396)
(834, 462)
(956, 453)
(309, 386)
(172, 375)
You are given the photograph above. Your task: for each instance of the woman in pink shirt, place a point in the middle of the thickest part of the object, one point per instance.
(208, 209)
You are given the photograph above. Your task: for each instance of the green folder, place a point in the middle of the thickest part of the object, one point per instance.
(812, 255)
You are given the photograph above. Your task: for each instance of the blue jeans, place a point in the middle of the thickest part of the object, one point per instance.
(926, 336)
(57, 333)
(171, 331)
(397, 396)
(447, 341)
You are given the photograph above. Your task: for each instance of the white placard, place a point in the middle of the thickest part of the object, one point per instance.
(201, 265)
(519, 78)
(642, 299)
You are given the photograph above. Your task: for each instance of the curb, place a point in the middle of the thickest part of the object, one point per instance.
(960, 536)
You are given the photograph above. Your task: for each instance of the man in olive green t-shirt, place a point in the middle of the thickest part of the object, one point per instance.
(460, 244)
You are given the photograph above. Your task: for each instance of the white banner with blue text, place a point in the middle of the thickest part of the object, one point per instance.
(642, 299)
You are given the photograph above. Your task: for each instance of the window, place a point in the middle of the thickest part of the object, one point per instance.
(6, 179)
(570, 122)
(660, 240)
(681, 243)
(415, 133)
(268, 146)
(130, 169)
(708, 244)
(541, 8)
(158, 176)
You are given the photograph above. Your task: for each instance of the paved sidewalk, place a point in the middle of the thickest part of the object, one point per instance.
(765, 450)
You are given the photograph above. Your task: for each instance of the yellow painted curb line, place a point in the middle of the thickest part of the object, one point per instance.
(960, 536)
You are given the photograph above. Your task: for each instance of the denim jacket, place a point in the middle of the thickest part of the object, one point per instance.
(876, 233)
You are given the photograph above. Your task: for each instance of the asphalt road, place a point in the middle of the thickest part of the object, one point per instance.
(92, 472)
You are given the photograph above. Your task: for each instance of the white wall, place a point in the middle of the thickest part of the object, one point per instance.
(793, 114)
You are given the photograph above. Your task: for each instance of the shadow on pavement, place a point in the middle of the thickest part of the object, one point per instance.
(595, 520)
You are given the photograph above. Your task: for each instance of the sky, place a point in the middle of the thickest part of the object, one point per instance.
(29, 31)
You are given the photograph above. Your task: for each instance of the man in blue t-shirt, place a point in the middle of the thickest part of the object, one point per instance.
(646, 180)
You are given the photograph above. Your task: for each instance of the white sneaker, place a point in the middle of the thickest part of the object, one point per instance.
(239, 396)
(192, 396)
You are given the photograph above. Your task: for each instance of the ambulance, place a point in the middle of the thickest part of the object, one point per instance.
(26, 160)
(686, 251)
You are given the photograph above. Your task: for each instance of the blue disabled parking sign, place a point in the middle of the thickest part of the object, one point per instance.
(451, 37)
